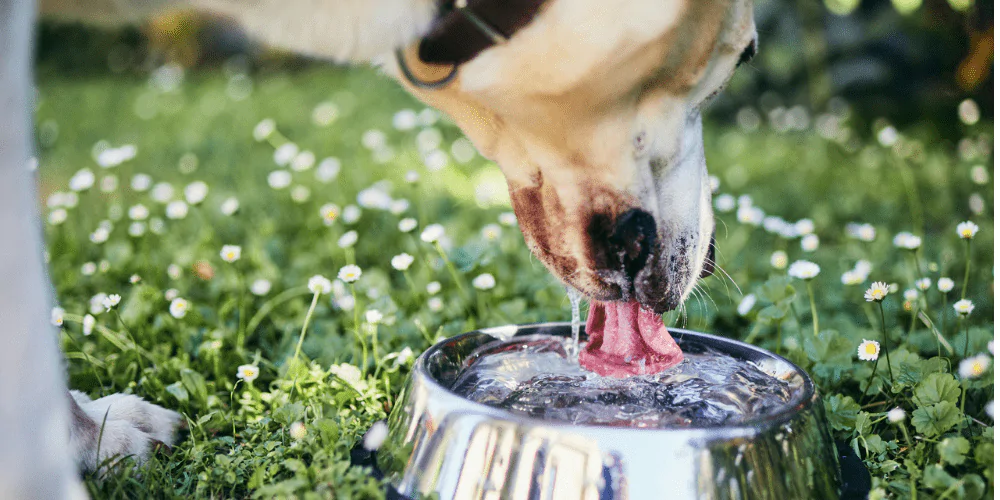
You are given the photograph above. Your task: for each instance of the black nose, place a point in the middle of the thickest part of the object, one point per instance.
(633, 237)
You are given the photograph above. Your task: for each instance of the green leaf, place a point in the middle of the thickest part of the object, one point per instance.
(935, 420)
(177, 390)
(953, 450)
(936, 388)
(863, 424)
(286, 414)
(194, 382)
(843, 411)
(777, 289)
(935, 477)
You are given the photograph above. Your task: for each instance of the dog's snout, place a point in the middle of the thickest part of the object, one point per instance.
(633, 238)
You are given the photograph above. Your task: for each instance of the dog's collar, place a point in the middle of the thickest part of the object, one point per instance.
(464, 28)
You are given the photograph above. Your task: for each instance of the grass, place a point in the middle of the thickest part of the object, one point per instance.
(353, 361)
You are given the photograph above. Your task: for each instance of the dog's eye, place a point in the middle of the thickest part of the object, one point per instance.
(748, 53)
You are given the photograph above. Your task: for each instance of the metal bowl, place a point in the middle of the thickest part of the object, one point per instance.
(443, 444)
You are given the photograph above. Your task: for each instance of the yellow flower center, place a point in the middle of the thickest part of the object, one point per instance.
(966, 233)
(977, 369)
(870, 349)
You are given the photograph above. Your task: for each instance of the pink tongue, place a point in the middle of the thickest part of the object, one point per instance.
(627, 340)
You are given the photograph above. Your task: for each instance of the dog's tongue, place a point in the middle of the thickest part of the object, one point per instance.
(625, 339)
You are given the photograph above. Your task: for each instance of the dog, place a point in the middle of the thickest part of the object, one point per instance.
(591, 108)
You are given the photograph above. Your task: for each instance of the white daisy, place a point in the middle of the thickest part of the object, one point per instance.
(402, 261)
(351, 214)
(434, 287)
(177, 209)
(868, 350)
(923, 284)
(432, 233)
(911, 294)
(111, 301)
(348, 239)
(82, 180)
(974, 367)
(896, 415)
(196, 192)
(247, 373)
(230, 206)
(852, 278)
(746, 305)
(162, 192)
(179, 307)
(297, 431)
(964, 307)
(137, 229)
(56, 316)
(303, 161)
(349, 274)
(725, 203)
(89, 322)
(318, 284)
(507, 219)
(375, 436)
(803, 269)
(279, 179)
(327, 170)
(484, 281)
(491, 232)
(945, 285)
(231, 253)
(877, 292)
(284, 153)
(967, 230)
(263, 129)
(408, 224)
(810, 243)
(141, 182)
(907, 241)
(138, 212)
(373, 316)
(412, 177)
(260, 287)
(779, 259)
(435, 304)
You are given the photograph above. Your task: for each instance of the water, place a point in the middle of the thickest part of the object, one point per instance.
(533, 376)
(574, 304)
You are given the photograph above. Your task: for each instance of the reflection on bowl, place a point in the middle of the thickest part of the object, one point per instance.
(442, 443)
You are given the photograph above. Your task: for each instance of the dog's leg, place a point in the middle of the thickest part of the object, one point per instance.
(117, 426)
(33, 407)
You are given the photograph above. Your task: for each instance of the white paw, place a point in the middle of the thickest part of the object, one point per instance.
(118, 426)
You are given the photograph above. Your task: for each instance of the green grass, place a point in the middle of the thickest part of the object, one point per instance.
(237, 443)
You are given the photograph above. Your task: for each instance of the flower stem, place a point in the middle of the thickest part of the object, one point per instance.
(885, 338)
(357, 330)
(305, 325)
(968, 266)
(451, 268)
(812, 305)
(870, 379)
(965, 351)
(906, 434)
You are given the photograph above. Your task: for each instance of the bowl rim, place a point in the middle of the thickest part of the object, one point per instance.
(806, 398)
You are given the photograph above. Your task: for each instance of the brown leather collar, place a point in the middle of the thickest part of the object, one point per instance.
(461, 33)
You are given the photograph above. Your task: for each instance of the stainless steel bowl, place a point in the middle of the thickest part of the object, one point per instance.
(441, 443)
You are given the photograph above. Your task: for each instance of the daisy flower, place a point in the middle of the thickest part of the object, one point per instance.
(896, 415)
(491, 232)
(111, 301)
(297, 431)
(433, 287)
(348, 239)
(484, 281)
(349, 274)
(177, 210)
(852, 277)
(906, 240)
(964, 307)
(247, 373)
(279, 179)
(725, 203)
(263, 129)
(967, 230)
(196, 192)
(923, 284)
(435, 304)
(868, 350)
(877, 292)
(804, 227)
(779, 259)
(507, 219)
(260, 287)
(810, 242)
(89, 322)
(432, 233)
(402, 261)
(230, 206)
(231, 253)
(351, 214)
(303, 161)
(408, 224)
(135, 278)
(945, 285)
(375, 436)
(974, 367)
(373, 316)
(803, 270)
(329, 213)
(746, 305)
(138, 212)
(318, 284)
(56, 317)
(911, 294)
(284, 153)
(179, 307)
(327, 170)
(412, 177)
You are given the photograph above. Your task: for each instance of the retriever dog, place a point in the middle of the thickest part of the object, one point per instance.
(591, 108)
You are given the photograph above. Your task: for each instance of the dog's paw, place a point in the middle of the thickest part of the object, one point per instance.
(118, 426)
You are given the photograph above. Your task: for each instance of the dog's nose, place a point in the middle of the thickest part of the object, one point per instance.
(633, 238)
